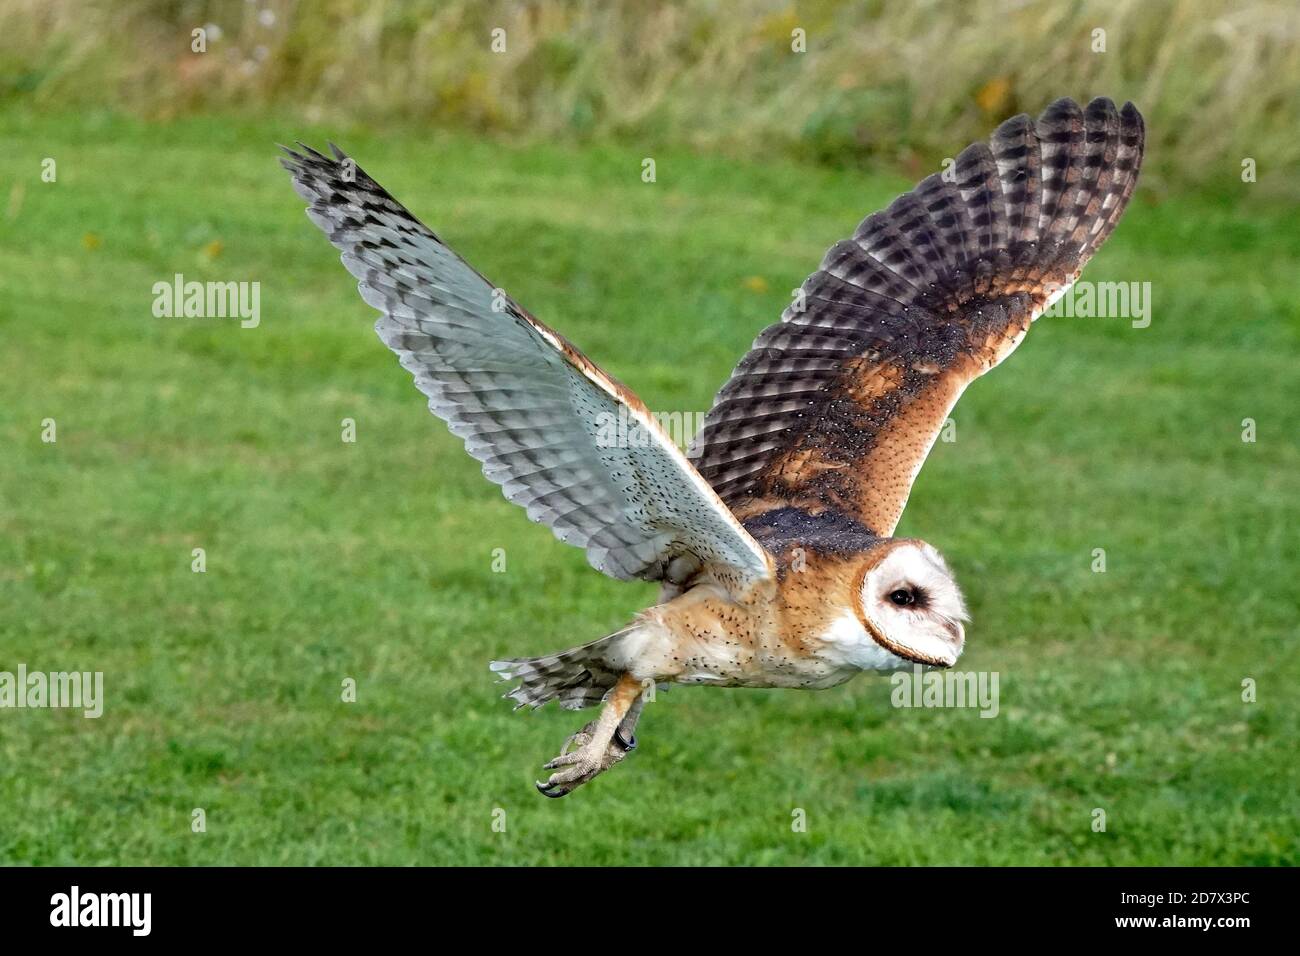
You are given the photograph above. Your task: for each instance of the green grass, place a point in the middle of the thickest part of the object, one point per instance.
(327, 560)
(1216, 79)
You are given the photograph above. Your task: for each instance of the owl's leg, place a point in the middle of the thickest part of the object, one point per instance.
(622, 743)
(601, 744)
(625, 733)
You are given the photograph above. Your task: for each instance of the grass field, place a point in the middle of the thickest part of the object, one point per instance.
(325, 560)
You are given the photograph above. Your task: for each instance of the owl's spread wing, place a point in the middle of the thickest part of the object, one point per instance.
(837, 406)
(564, 440)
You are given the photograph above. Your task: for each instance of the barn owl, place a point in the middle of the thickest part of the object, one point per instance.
(773, 540)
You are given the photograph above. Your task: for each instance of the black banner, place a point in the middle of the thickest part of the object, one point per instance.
(333, 905)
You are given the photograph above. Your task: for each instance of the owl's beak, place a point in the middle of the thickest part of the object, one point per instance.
(939, 647)
(956, 640)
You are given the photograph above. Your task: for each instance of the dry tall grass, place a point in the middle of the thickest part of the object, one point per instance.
(898, 81)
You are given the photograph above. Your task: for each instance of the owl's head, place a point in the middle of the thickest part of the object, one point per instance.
(910, 604)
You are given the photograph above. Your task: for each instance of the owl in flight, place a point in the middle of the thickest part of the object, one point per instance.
(772, 541)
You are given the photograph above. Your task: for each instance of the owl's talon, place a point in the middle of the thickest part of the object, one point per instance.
(563, 760)
(576, 767)
(569, 779)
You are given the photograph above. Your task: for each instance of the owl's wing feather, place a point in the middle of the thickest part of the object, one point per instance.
(837, 405)
(539, 415)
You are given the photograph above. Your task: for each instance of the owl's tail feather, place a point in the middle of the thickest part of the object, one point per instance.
(578, 677)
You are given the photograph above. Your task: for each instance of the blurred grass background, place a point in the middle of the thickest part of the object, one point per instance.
(880, 81)
(1120, 691)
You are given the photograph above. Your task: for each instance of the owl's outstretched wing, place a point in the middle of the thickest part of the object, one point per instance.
(564, 440)
(837, 406)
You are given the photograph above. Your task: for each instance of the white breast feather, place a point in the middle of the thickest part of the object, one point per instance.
(847, 644)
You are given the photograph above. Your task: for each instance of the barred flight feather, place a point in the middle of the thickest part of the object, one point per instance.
(526, 403)
(835, 408)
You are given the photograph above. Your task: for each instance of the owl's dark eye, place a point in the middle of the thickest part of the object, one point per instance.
(902, 597)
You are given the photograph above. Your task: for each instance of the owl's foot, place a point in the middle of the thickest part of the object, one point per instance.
(574, 767)
(599, 745)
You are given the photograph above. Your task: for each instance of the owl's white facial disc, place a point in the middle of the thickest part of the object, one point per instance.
(912, 606)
